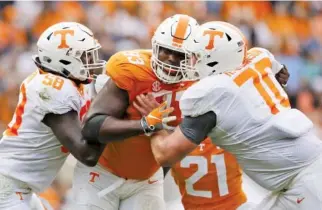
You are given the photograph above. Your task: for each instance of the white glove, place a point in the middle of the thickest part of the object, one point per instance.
(100, 81)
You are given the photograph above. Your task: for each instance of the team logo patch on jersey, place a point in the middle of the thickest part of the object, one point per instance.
(44, 95)
(156, 86)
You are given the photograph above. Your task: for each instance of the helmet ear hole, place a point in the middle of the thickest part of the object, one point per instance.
(212, 64)
(47, 59)
(65, 62)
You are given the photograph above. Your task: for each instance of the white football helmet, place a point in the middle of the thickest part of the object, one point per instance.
(171, 34)
(69, 49)
(217, 47)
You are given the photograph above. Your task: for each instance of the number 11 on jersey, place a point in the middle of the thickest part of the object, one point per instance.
(261, 79)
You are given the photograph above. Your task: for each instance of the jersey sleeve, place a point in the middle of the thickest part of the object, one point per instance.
(276, 66)
(120, 72)
(50, 100)
(197, 128)
(127, 67)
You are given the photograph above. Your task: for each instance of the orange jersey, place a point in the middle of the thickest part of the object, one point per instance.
(131, 71)
(209, 178)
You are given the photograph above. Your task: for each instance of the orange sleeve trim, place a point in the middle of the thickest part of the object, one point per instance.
(13, 130)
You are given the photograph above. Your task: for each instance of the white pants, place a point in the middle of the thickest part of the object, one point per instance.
(303, 193)
(16, 195)
(97, 189)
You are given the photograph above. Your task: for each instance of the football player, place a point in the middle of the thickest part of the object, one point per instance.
(208, 177)
(127, 176)
(46, 124)
(239, 104)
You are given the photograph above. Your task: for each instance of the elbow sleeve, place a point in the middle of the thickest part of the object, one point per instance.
(91, 128)
(197, 128)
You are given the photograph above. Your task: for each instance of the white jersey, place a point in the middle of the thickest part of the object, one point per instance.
(271, 141)
(29, 151)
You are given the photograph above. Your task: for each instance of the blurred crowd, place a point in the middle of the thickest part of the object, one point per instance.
(291, 30)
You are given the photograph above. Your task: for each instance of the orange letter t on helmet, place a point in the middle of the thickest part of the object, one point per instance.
(212, 35)
(63, 34)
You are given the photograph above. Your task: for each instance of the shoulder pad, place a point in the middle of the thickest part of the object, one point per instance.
(258, 53)
(204, 95)
(54, 94)
(126, 67)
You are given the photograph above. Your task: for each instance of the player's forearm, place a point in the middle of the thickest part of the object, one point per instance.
(87, 153)
(160, 149)
(105, 128)
(171, 148)
(67, 129)
(114, 129)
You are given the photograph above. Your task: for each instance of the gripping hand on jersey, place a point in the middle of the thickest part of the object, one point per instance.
(282, 76)
(157, 119)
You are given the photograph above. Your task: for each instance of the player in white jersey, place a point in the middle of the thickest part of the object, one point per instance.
(239, 104)
(46, 124)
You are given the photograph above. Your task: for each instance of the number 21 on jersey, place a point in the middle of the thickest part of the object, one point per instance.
(202, 163)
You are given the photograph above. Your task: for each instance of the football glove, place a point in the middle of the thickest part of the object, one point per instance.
(157, 119)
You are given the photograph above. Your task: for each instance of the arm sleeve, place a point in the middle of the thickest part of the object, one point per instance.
(196, 129)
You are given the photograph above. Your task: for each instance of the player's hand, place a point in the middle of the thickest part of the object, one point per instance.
(282, 76)
(145, 103)
(157, 119)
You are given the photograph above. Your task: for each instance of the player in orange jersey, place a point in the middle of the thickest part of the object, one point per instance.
(209, 177)
(127, 176)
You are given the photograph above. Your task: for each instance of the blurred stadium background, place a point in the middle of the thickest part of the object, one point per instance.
(291, 30)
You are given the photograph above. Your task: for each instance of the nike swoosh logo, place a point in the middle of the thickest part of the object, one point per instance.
(299, 200)
(151, 182)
